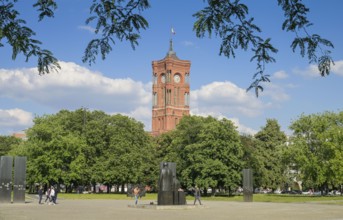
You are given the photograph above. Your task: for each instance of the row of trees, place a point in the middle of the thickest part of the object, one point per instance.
(83, 148)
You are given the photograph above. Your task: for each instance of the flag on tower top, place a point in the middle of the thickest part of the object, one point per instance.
(173, 31)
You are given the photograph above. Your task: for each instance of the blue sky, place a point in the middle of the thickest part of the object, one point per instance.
(122, 82)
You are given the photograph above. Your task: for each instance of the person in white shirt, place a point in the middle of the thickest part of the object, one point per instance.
(52, 196)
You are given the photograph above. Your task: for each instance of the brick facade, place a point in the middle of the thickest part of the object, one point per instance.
(171, 92)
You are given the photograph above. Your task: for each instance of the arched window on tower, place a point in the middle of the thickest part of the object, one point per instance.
(163, 78)
(168, 76)
(176, 96)
(187, 99)
(187, 78)
(169, 97)
(162, 124)
(154, 99)
(154, 78)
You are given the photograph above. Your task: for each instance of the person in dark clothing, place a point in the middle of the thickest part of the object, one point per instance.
(40, 194)
(197, 194)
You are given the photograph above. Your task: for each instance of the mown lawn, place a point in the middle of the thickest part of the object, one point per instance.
(256, 198)
(282, 198)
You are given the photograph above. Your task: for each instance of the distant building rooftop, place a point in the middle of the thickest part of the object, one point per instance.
(20, 136)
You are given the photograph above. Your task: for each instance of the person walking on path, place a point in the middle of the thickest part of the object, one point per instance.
(47, 193)
(197, 194)
(52, 196)
(40, 194)
(136, 191)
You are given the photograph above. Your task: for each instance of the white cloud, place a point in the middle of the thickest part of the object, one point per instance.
(291, 85)
(188, 43)
(310, 72)
(275, 92)
(142, 114)
(13, 120)
(280, 75)
(86, 28)
(226, 98)
(338, 68)
(72, 87)
(17, 116)
(75, 86)
(240, 127)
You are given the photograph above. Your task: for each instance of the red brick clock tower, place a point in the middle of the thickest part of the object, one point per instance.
(170, 92)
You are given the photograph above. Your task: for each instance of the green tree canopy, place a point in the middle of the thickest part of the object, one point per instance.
(82, 147)
(268, 154)
(316, 149)
(210, 152)
(253, 158)
(129, 156)
(7, 143)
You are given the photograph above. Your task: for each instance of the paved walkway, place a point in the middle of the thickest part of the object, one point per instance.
(120, 210)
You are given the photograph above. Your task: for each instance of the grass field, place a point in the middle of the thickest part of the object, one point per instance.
(338, 200)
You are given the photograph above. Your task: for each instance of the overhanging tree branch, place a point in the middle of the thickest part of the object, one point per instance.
(228, 20)
(121, 20)
(20, 38)
(296, 21)
(115, 19)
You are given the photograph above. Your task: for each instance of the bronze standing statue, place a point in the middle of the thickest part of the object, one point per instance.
(169, 192)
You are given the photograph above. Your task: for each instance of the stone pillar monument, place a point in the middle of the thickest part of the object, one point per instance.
(19, 179)
(247, 185)
(6, 179)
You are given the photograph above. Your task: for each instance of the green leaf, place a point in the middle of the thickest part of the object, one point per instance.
(324, 65)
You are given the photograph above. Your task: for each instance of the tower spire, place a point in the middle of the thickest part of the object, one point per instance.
(171, 45)
(171, 52)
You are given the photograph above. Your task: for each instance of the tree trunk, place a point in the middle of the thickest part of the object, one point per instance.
(205, 191)
(213, 192)
(31, 188)
(108, 188)
(58, 188)
(69, 189)
(94, 189)
(122, 188)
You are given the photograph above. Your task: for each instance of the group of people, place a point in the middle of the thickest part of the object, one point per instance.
(50, 195)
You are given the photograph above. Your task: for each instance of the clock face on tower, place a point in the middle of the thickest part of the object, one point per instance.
(176, 78)
(163, 78)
